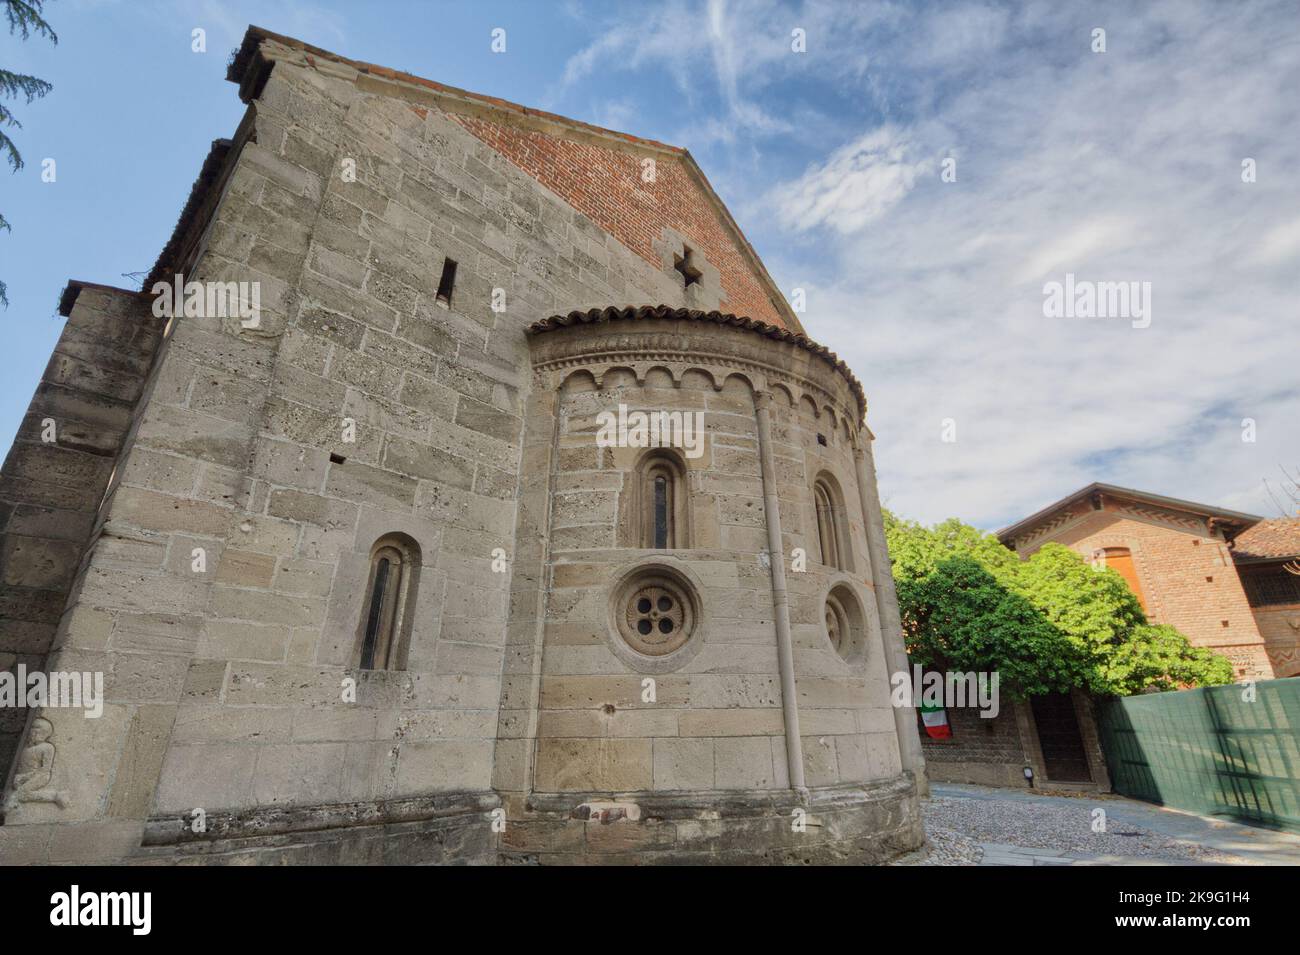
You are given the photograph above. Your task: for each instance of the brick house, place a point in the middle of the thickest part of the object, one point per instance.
(1218, 576)
(1267, 558)
(1208, 571)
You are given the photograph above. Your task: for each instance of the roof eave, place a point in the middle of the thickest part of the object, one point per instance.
(669, 313)
(1008, 534)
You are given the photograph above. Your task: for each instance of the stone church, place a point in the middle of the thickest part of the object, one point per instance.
(365, 572)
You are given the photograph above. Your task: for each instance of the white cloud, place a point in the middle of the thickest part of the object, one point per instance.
(1279, 245)
(1077, 245)
(855, 186)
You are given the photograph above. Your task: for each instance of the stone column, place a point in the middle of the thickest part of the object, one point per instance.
(780, 596)
(891, 629)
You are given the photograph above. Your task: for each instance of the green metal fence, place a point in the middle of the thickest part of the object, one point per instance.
(1212, 751)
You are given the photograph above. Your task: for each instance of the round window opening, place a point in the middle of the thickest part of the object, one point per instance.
(656, 612)
(845, 625)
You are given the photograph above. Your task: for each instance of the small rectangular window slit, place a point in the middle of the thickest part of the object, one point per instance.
(336, 458)
(446, 283)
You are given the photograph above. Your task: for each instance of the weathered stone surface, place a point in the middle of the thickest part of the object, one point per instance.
(263, 476)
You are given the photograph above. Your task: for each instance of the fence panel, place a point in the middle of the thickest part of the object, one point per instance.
(1210, 751)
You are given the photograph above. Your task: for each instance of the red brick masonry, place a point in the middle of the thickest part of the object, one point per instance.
(606, 186)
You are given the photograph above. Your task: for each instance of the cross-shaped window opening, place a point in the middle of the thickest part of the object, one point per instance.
(685, 264)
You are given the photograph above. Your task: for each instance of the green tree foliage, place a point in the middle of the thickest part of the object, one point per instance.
(960, 617)
(1046, 624)
(24, 18)
(1160, 657)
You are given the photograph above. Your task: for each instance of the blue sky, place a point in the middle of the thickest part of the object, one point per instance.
(1115, 166)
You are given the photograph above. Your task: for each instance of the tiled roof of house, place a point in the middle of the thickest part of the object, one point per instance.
(1007, 534)
(1268, 540)
(649, 312)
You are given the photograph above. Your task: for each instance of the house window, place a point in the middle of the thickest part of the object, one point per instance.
(1269, 586)
(1121, 560)
(390, 603)
(662, 496)
(832, 524)
(447, 283)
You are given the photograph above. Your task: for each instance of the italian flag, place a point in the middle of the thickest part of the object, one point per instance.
(935, 719)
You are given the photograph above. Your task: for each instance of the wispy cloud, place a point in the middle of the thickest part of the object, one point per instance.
(725, 50)
(858, 184)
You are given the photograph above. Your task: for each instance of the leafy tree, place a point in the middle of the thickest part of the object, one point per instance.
(1093, 607)
(24, 18)
(916, 551)
(1158, 656)
(1047, 623)
(1122, 652)
(960, 617)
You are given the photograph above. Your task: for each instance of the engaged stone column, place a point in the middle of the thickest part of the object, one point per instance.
(780, 596)
(891, 629)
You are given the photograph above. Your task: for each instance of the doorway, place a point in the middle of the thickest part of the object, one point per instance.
(1059, 738)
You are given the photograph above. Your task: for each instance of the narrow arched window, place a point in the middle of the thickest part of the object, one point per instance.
(825, 525)
(833, 542)
(661, 500)
(662, 525)
(389, 604)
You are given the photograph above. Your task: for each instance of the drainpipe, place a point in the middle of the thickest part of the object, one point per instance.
(780, 597)
(882, 580)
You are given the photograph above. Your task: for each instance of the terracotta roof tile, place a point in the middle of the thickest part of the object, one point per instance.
(1268, 540)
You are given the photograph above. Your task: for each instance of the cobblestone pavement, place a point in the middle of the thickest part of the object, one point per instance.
(976, 825)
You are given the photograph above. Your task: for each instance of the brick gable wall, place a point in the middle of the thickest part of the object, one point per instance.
(1186, 574)
(606, 186)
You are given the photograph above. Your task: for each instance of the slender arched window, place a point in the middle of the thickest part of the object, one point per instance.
(662, 500)
(825, 524)
(832, 524)
(389, 604)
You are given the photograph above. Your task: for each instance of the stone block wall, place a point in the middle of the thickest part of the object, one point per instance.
(58, 470)
(847, 722)
(261, 464)
(716, 720)
(995, 751)
(353, 331)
